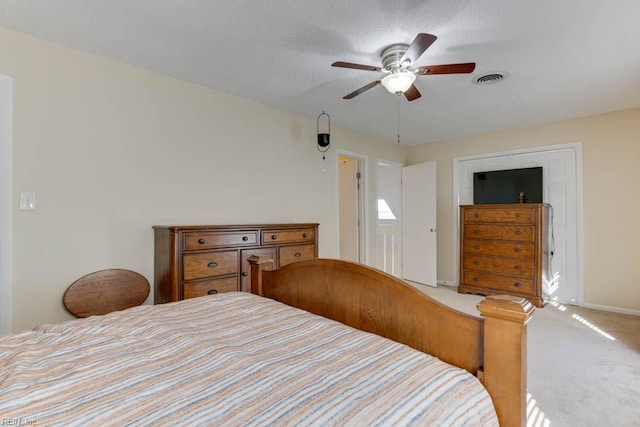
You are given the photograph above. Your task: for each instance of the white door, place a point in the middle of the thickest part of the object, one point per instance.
(349, 207)
(419, 241)
(559, 177)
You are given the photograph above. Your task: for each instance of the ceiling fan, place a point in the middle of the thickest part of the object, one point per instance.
(398, 61)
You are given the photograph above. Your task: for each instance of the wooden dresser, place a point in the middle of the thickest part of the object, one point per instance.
(193, 261)
(504, 249)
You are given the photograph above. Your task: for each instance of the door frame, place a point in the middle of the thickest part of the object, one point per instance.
(577, 147)
(363, 227)
(6, 206)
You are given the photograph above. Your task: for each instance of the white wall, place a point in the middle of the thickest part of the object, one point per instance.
(110, 150)
(6, 159)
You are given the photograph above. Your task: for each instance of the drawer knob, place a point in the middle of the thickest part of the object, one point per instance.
(517, 285)
(245, 274)
(475, 279)
(212, 292)
(245, 238)
(274, 237)
(476, 215)
(297, 255)
(518, 267)
(517, 215)
(305, 235)
(212, 264)
(476, 231)
(518, 232)
(476, 246)
(476, 262)
(517, 250)
(201, 241)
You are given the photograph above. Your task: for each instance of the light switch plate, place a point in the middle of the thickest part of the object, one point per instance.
(27, 201)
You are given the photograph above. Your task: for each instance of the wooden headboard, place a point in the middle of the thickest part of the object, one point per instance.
(493, 348)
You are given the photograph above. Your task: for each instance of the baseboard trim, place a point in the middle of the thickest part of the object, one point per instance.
(620, 310)
(612, 309)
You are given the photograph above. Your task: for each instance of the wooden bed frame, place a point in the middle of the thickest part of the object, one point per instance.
(494, 348)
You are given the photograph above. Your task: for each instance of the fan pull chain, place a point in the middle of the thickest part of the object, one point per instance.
(398, 115)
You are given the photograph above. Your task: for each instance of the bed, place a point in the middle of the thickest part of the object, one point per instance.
(317, 342)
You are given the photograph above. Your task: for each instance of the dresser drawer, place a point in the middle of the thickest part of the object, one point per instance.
(289, 254)
(498, 283)
(495, 248)
(523, 233)
(274, 237)
(511, 215)
(499, 265)
(212, 240)
(208, 287)
(209, 264)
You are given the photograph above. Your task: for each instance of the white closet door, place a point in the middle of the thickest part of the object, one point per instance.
(560, 191)
(419, 241)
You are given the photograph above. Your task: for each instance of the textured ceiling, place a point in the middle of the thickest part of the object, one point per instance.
(563, 58)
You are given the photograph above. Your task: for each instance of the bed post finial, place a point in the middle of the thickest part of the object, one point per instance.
(505, 350)
(257, 266)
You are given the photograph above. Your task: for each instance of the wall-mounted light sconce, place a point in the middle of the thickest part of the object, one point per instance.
(324, 131)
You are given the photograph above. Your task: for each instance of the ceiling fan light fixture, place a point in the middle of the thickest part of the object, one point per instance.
(398, 82)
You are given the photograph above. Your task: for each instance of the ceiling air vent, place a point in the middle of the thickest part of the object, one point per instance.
(490, 78)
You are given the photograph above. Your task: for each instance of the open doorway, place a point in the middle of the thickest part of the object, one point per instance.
(389, 217)
(406, 221)
(350, 207)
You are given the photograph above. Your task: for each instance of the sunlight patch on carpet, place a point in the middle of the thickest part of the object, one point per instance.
(535, 416)
(582, 320)
(593, 327)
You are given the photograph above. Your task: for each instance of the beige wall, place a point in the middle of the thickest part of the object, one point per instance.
(111, 150)
(611, 207)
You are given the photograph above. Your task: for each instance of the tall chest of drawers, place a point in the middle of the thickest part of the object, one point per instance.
(504, 249)
(193, 261)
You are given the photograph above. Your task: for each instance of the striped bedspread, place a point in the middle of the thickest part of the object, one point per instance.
(232, 359)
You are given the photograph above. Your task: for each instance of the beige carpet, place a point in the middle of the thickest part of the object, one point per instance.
(584, 365)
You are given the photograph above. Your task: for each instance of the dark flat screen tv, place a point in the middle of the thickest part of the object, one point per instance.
(505, 186)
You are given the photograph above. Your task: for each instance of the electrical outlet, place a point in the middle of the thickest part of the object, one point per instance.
(444, 283)
(27, 201)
